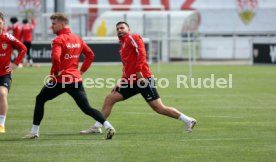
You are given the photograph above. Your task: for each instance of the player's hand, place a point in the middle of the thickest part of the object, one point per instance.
(142, 81)
(11, 67)
(140, 77)
(59, 73)
(117, 86)
(114, 89)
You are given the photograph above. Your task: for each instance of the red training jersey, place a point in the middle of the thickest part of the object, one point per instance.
(27, 31)
(66, 50)
(7, 43)
(16, 32)
(133, 55)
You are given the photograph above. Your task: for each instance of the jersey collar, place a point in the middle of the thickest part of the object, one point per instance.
(65, 30)
(123, 38)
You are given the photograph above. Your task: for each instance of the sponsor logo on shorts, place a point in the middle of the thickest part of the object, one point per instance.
(149, 97)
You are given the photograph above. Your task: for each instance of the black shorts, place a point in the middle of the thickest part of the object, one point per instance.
(147, 90)
(5, 81)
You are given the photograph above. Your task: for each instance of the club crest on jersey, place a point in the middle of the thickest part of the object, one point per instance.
(4, 46)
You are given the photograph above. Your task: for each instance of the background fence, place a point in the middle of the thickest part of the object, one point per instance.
(210, 31)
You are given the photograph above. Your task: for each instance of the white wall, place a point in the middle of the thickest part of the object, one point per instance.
(226, 47)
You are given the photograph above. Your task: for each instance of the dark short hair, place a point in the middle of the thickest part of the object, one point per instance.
(13, 20)
(122, 22)
(60, 17)
(25, 21)
(2, 16)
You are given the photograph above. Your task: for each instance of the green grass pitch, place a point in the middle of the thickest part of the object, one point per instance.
(237, 124)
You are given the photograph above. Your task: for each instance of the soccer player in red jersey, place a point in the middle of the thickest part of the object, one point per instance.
(16, 32)
(15, 28)
(66, 50)
(7, 43)
(27, 37)
(136, 78)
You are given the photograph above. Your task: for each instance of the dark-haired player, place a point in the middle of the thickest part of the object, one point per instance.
(136, 79)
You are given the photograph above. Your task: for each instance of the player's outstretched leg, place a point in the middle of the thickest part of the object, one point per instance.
(110, 100)
(160, 108)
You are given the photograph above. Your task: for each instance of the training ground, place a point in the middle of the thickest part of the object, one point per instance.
(234, 124)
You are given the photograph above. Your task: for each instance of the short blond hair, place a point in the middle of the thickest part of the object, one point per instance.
(60, 17)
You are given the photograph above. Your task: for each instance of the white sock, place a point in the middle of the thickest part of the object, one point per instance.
(35, 129)
(184, 118)
(107, 125)
(98, 124)
(2, 120)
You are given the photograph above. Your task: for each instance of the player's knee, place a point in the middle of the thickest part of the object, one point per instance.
(110, 99)
(85, 111)
(40, 98)
(3, 94)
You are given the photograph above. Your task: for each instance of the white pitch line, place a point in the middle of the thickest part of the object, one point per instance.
(139, 113)
(217, 139)
(203, 95)
(234, 117)
(64, 144)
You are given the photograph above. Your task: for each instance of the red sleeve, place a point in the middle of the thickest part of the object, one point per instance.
(56, 53)
(139, 46)
(21, 50)
(21, 34)
(89, 57)
(33, 23)
(9, 28)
